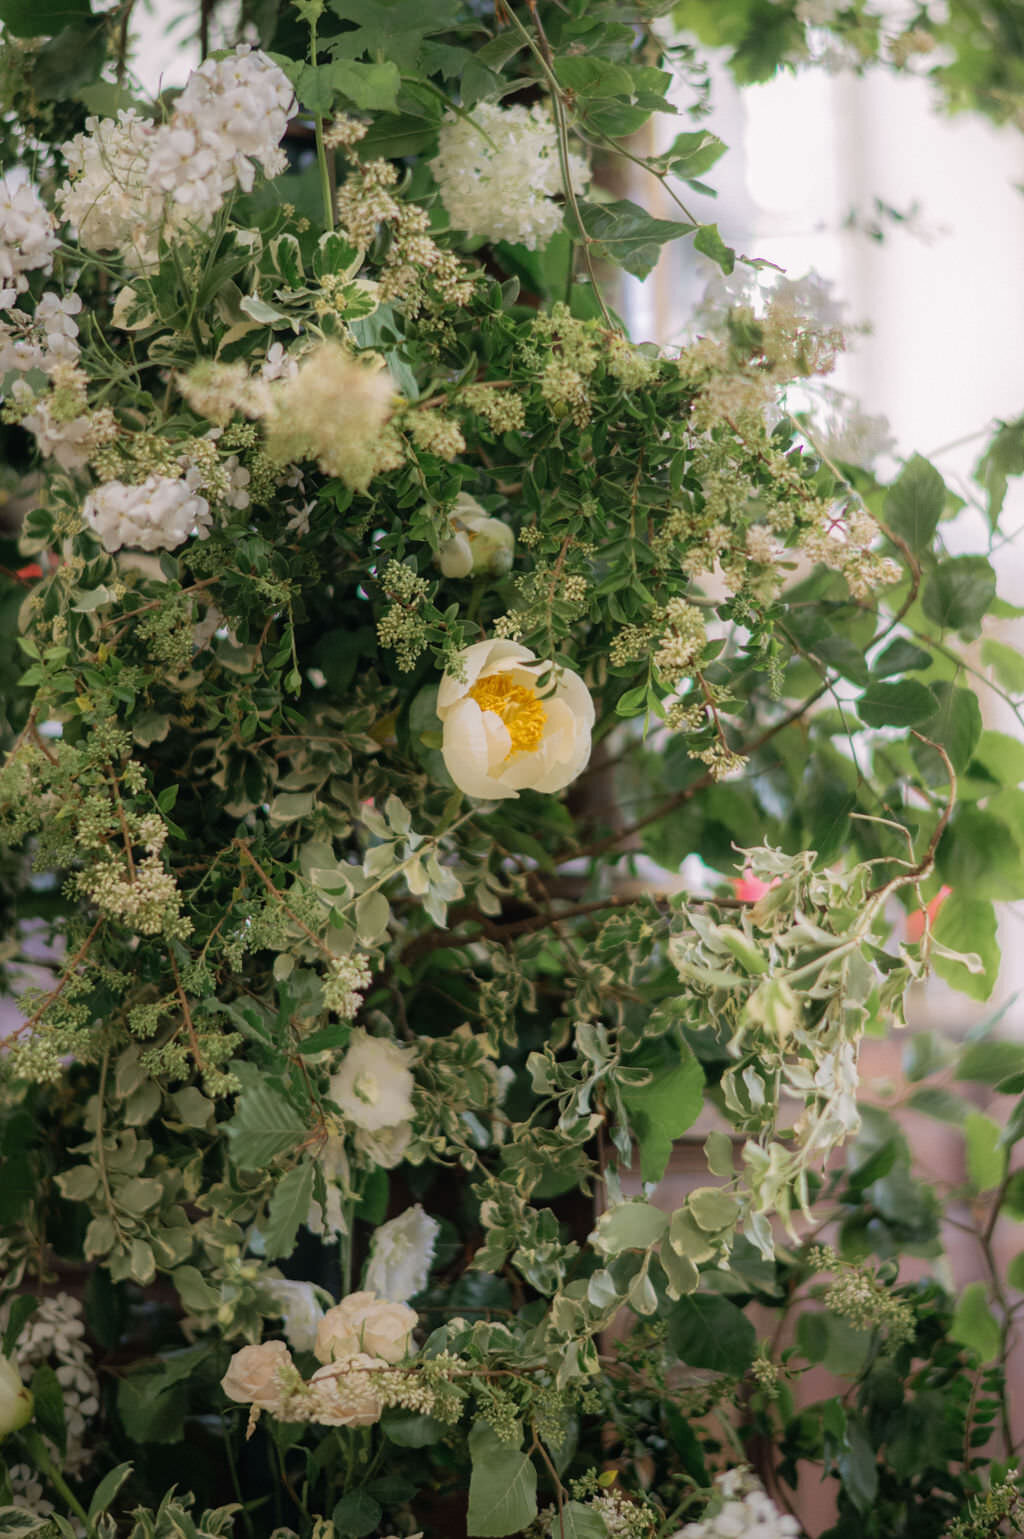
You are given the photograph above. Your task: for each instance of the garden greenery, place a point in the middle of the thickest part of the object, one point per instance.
(381, 616)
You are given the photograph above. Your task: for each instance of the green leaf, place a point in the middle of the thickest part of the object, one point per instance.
(592, 78)
(19, 1522)
(959, 592)
(24, 18)
(627, 235)
(692, 154)
(372, 914)
(1002, 756)
(502, 1486)
(914, 504)
(986, 1158)
(968, 925)
(1015, 1272)
(264, 1125)
(578, 1521)
(663, 1111)
(1006, 663)
(49, 1405)
(858, 1468)
(896, 705)
(411, 1429)
(21, 1311)
(710, 244)
(900, 656)
(974, 1325)
(356, 1514)
(956, 727)
(107, 1489)
(941, 1104)
(371, 87)
(288, 1207)
(705, 1331)
(989, 1062)
(628, 1226)
(978, 854)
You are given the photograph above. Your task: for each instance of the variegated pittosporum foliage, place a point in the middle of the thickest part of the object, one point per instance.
(385, 630)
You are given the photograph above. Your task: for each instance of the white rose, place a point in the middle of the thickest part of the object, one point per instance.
(16, 1404)
(343, 1395)
(254, 1375)
(513, 722)
(400, 1255)
(299, 1308)
(364, 1323)
(478, 546)
(373, 1087)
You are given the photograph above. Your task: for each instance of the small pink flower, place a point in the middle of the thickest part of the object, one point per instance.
(748, 887)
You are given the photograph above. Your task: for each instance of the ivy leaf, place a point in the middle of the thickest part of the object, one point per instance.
(288, 1207)
(974, 1325)
(502, 1485)
(914, 503)
(959, 592)
(626, 234)
(896, 705)
(662, 1111)
(706, 1331)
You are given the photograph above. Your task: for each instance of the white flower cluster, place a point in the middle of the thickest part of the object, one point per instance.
(361, 1335)
(128, 174)
(158, 515)
(27, 235)
(747, 1512)
(499, 172)
(55, 1334)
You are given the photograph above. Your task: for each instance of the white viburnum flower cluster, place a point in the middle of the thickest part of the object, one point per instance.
(27, 235)
(746, 1512)
(158, 515)
(127, 175)
(55, 1335)
(400, 1255)
(500, 172)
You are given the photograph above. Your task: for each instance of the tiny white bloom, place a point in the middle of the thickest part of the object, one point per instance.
(512, 722)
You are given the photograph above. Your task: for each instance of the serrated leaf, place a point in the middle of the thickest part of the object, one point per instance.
(289, 1206)
(264, 1126)
(914, 503)
(710, 244)
(903, 704)
(627, 235)
(968, 925)
(502, 1486)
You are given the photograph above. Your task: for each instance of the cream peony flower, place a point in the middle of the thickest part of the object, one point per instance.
(478, 546)
(254, 1375)
(373, 1087)
(364, 1323)
(504, 730)
(16, 1404)
(400, 1255)
(343, 1395)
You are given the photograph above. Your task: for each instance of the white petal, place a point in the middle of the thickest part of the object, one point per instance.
(476, 660)
(465, 748)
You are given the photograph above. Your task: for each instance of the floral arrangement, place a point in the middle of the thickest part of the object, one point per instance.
(391, 628)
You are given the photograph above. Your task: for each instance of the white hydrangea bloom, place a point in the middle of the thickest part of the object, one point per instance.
(127, 175)
(28, 238)
(69, 443)
(400, 1255)
(109, 197)
(742, 1509)
(499, 173)
(158, 515)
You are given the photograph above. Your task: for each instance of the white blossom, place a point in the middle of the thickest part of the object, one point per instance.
(374, 1084)
(511, 722)
(55, 1335)
(499, 173)
(109, 197)
(27, 235)
(741, 1509)
(158, 515)
(300, 1309)
(400, 1255)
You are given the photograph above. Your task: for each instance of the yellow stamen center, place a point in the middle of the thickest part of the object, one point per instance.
(518, 706)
